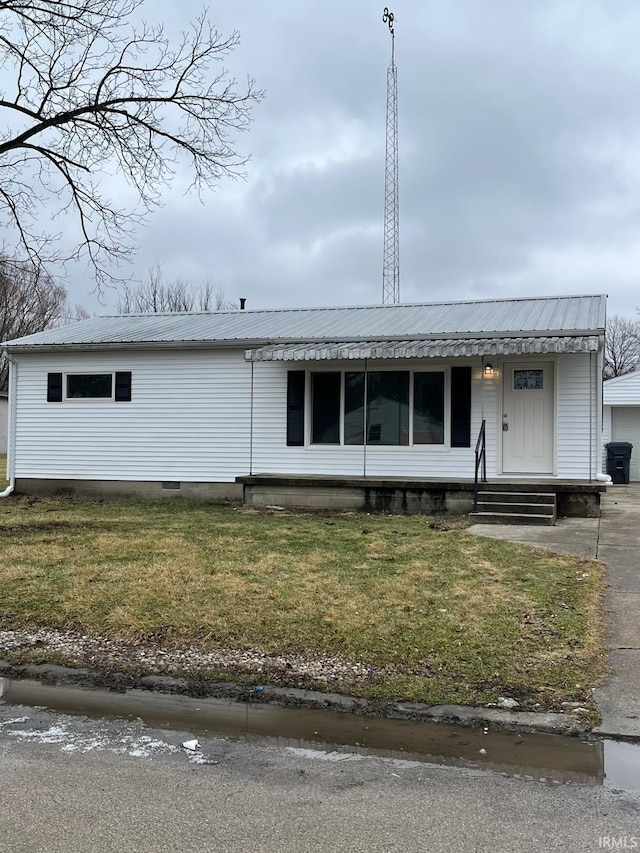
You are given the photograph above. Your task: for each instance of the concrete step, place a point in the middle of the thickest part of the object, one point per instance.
(518, 508)
(517, 497)
(511, 518)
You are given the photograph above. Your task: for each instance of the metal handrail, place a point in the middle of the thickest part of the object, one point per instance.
(481, 459)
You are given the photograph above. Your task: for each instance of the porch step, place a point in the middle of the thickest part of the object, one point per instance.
(515, 508)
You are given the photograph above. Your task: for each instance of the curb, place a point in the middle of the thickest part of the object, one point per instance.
(461, 715)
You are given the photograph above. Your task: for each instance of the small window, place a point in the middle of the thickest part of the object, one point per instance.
(94, 386)
(528, 380)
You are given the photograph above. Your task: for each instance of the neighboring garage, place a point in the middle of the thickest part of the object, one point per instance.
(4, 410)
(622, 416)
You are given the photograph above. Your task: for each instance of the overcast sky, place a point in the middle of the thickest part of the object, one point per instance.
(519, 155)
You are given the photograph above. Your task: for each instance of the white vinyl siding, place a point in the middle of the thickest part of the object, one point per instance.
(623, 390)
(188, 419)
(577, 427)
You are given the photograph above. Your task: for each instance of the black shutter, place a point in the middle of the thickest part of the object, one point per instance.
(295, 408)
(123, 387)
(54, 387)
(460, 407)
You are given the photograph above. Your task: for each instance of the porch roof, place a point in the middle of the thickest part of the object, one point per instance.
(436, 348)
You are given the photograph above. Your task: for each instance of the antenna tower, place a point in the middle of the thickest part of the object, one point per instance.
(391, 260)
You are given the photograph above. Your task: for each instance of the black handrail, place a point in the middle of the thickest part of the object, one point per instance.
(481, 459)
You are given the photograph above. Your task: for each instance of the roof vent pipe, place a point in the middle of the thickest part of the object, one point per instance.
(242, 302)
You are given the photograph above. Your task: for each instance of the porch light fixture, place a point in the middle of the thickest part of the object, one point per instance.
(488, 370)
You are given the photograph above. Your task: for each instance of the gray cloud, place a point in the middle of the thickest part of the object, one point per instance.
(519, 164)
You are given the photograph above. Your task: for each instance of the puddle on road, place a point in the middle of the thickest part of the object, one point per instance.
(547, 757)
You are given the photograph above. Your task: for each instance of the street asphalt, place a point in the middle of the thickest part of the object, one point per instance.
(613, 538)
(74, 785)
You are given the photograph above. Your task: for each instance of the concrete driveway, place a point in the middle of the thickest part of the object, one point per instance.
(613, 538)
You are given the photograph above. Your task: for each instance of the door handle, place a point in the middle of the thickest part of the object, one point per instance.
(505, 427)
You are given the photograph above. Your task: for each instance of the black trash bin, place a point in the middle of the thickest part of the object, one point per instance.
(619, 460)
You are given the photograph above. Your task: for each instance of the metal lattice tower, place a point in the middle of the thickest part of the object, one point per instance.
(391, 260)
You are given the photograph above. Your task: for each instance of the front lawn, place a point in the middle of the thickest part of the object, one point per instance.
(432, 615)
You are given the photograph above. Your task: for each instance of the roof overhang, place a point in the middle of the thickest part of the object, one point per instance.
(525, 345)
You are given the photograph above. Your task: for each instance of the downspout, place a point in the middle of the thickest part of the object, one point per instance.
(13, 380)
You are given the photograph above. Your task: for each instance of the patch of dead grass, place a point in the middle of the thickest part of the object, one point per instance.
(447, 614)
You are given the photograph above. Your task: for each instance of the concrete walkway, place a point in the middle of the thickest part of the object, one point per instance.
(615, 539)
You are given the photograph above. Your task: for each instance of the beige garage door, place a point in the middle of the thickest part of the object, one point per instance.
(625, 426)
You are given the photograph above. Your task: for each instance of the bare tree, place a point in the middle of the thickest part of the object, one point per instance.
(622, 347)
(97, 95)
(155, 297)
(30, 301)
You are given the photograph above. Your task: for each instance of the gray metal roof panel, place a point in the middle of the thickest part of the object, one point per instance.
(565, 315)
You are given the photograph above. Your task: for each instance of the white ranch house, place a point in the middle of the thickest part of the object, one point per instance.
(371, 407)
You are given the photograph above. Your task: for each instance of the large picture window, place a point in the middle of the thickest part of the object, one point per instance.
(402, 407)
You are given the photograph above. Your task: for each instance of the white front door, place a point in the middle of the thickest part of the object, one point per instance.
(527, 418)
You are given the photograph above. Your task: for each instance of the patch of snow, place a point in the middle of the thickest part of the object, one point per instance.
(322, 754)
(141, 746)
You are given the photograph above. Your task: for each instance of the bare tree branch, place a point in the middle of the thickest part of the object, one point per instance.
(155, 297)
(30, 301)
(96, 96)
(622, 347)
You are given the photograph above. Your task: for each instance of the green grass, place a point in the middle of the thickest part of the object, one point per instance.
(448, 616)
(3, 472)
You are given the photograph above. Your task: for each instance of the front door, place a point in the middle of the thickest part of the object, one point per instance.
(527, 418)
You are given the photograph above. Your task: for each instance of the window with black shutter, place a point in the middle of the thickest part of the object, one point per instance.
(295, 408)
(89, 386)
(460, 407)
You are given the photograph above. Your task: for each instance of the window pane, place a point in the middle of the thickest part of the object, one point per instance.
(89, 385)
(388, 407)
(354, 408)
(528, 380)
(325, 418)
(428, 408)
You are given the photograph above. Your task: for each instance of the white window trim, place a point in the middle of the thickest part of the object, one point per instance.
(110, 399)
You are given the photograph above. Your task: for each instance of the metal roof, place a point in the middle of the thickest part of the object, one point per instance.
(560, 315)
(423, 349)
